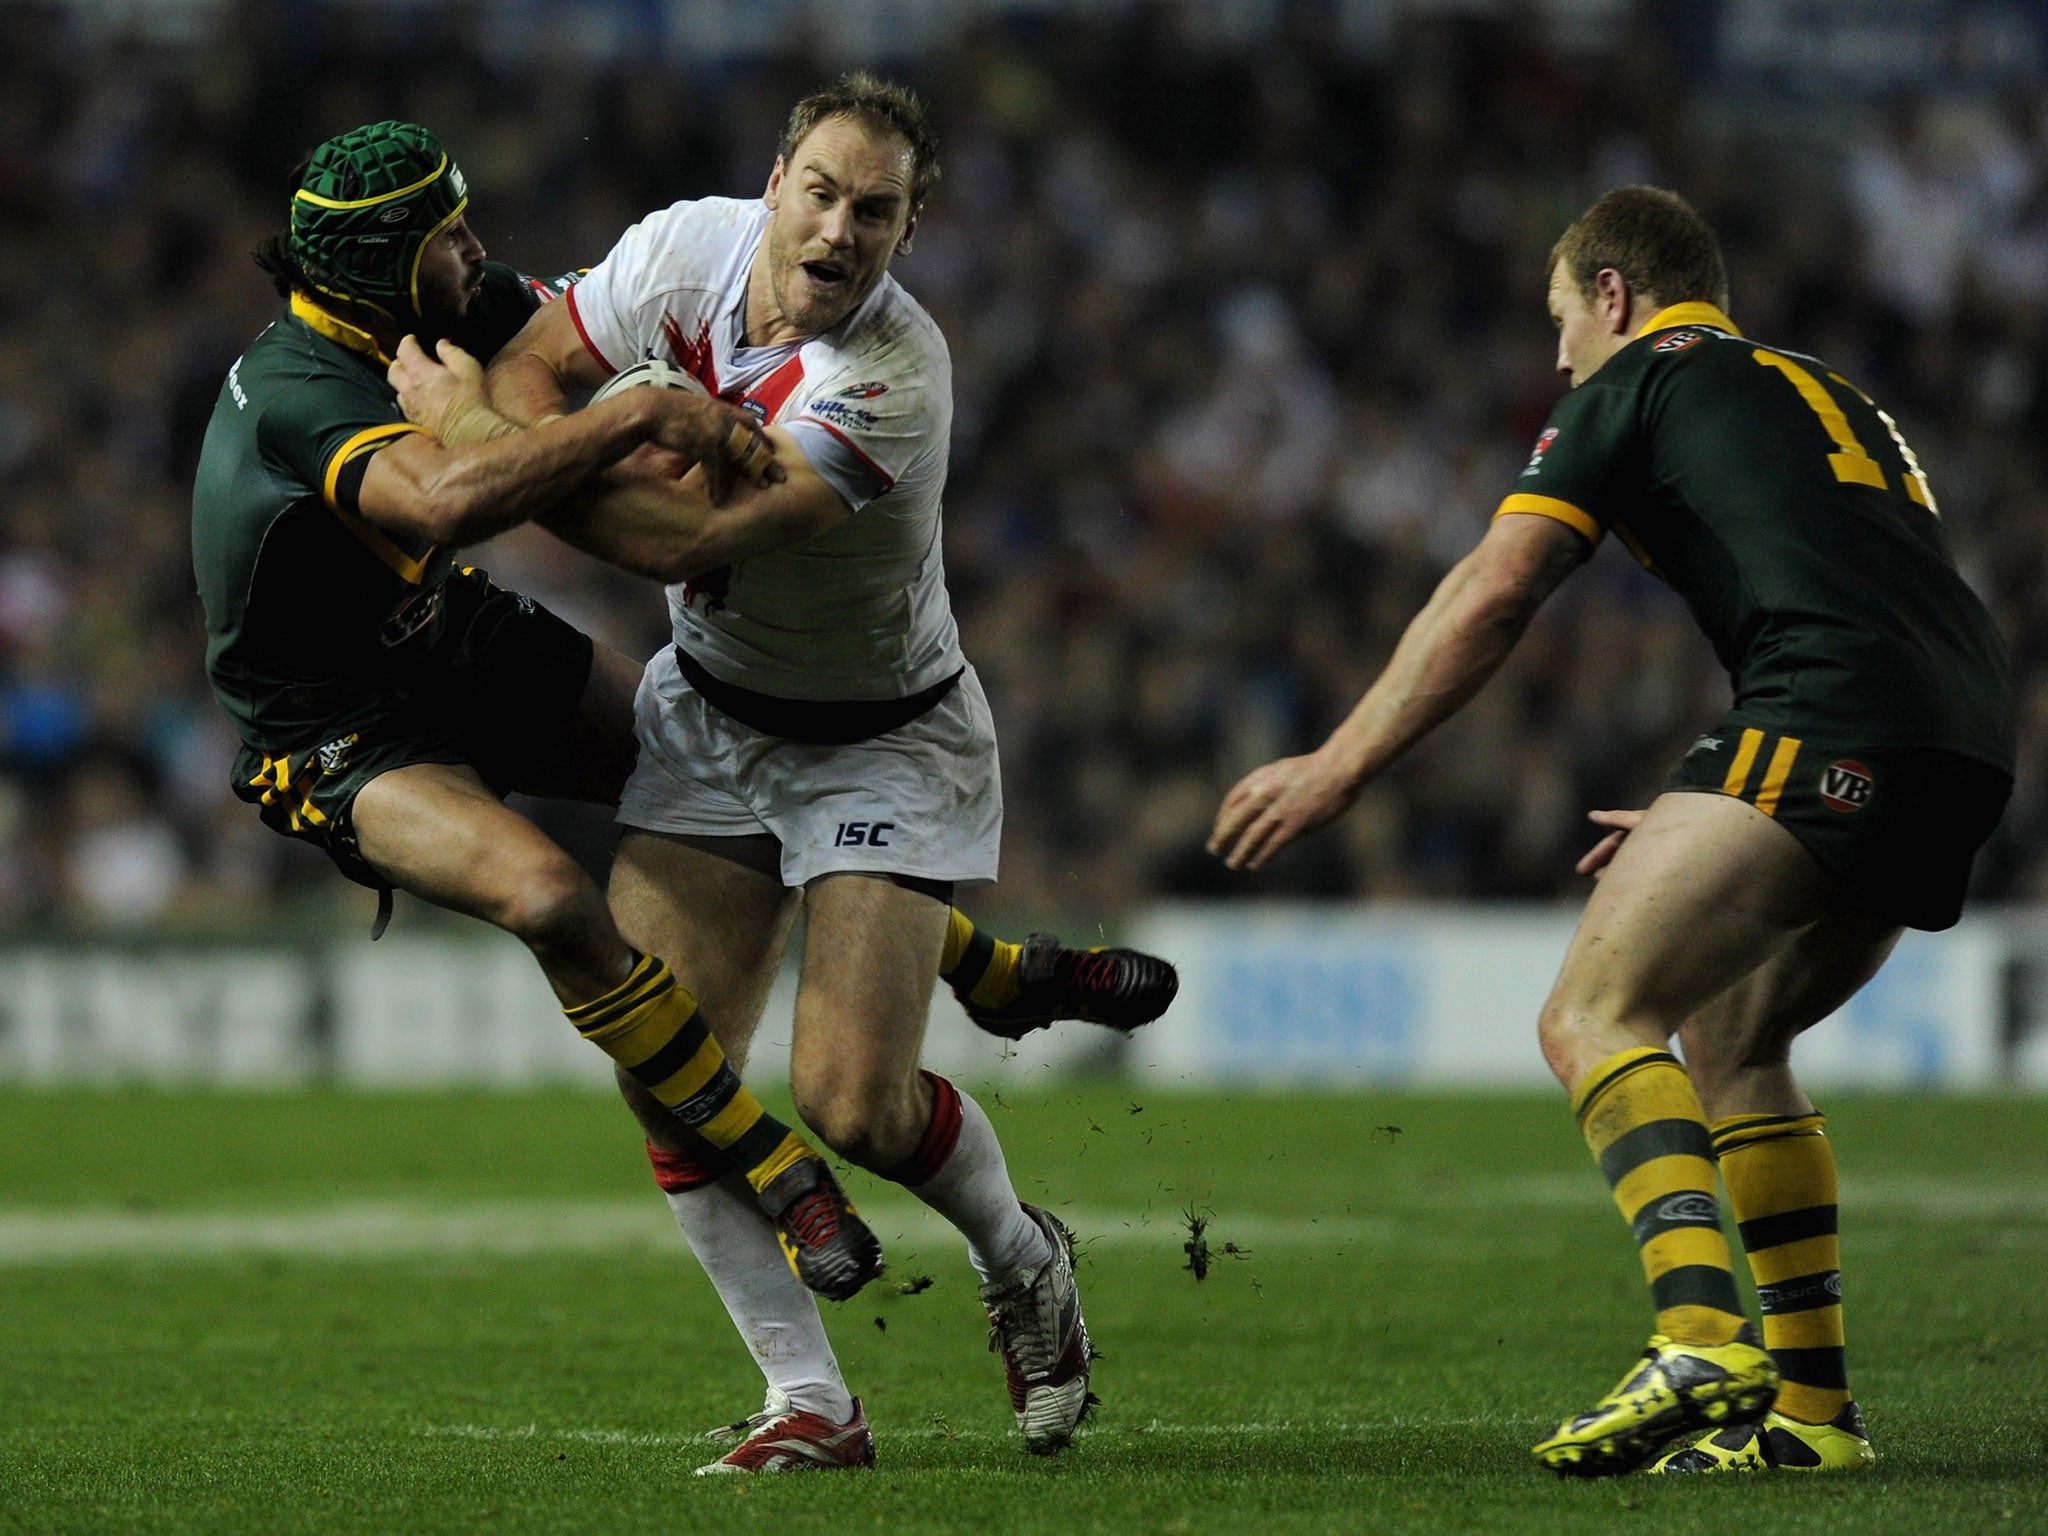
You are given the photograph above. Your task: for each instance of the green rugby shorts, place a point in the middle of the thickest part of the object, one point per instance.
(1898, 827)
(497, 690)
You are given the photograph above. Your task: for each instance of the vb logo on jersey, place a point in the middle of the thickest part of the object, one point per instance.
(864, 391)
(1845, 786)
(1678, 341)
(1542, 447)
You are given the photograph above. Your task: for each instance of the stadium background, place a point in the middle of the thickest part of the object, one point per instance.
(1245, 303)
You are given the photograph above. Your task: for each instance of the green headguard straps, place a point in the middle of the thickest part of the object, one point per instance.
(370, 201)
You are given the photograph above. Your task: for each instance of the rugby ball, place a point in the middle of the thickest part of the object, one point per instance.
(653, 372)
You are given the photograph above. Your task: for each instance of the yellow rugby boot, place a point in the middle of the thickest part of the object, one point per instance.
(1675, 1388)
(1778, 1444)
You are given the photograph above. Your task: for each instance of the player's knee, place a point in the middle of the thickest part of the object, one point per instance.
(863, 1126)
(551, 906)
(1561, 1033)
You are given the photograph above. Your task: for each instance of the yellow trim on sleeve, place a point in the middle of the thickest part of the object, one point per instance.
(368, 533)
(1693, 312)
(1549, 506)
(365, 441)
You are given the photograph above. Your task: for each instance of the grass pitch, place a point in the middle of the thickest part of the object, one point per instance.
(338, 1313)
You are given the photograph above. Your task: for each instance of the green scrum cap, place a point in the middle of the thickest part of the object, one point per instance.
(370, 201)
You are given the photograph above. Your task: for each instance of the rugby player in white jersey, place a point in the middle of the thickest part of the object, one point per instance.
(816, 735)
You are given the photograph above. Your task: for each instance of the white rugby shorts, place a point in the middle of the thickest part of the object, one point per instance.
(925, 799)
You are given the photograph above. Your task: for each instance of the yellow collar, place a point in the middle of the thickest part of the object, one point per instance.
(1693, 312)
(337, 330)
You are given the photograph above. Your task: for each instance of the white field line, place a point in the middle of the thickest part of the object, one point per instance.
(394, 1229)
(934, 1431)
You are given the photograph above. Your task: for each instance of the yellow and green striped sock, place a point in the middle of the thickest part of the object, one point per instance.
(1645, 1125)
(1780, 1173)
(980, 968)
(652, 1027)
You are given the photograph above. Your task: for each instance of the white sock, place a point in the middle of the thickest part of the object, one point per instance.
(972, 1191)
(775, 1313)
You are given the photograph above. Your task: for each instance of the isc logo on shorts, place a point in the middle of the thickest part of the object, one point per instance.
(1845, 786)
(863, 834)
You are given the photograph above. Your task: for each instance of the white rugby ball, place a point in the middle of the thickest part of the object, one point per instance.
(655, 373)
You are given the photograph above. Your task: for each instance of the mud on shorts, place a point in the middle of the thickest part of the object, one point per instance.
(1898, 827)
(922, 799)
(495, 693)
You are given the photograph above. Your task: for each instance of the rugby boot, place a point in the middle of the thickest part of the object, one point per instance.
(1778, 1444)
(1675, 1388)
(1035, 1321)
(774, 1407)
(793, 1441)
(831, 1249)
(1122, 988)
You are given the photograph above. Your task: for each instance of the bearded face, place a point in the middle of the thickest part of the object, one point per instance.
(840, 211)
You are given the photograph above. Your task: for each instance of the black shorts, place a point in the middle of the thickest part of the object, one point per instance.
(496, 692)
(1898, 827)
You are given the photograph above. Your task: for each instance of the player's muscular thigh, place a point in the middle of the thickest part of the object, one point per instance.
(871, 949)
(1704, 891)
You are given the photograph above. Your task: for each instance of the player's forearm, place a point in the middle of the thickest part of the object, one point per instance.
(524, 388)
(483, 489)
(1444, 657)
(650, 526)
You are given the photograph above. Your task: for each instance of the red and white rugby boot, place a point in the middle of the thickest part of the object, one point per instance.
(1035, 1320)
(781, 1438)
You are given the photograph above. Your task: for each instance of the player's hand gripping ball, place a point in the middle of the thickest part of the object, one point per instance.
(725, 441)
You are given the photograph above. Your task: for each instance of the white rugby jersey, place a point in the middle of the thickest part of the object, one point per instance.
(860, 611)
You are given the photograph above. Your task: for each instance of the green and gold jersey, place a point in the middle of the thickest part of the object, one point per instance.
(314, 615)
(1786, 509)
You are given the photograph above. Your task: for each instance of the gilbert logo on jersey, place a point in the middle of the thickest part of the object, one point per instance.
(1845, 786)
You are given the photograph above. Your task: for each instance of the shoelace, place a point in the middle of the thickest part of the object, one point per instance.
(813, 1220)
(1000, 1316)
(1093, 972)
(776, 1407)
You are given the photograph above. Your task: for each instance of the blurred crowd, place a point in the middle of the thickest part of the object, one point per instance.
(1248, 344)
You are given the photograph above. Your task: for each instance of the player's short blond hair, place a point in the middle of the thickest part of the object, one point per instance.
(1653, 238)
(877, 105)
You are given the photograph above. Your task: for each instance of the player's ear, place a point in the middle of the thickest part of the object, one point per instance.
(1615, 299)
(773, 195)
(903, 240)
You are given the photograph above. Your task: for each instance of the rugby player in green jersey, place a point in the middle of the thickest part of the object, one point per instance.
(1868, 755)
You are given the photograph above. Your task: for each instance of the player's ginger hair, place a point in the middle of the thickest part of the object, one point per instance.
(875, 104)
(1654, 238)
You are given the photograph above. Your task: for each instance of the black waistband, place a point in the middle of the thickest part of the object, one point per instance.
(816, 722)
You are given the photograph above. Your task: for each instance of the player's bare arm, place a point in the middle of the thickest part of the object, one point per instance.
(532, 375)
(672, 530)
(471, 476)
(1448, 651)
